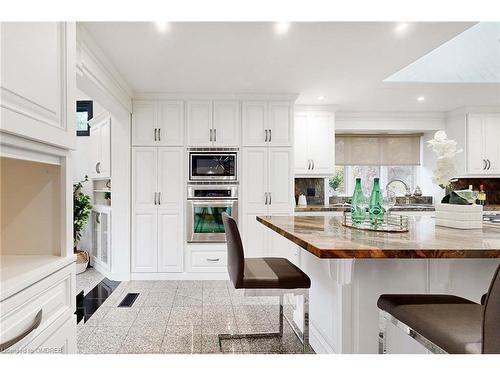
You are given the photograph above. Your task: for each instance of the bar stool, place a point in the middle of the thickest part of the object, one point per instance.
(445, 323)
(265, 277)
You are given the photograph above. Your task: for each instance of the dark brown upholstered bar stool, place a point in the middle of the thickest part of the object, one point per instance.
(265, 277)
(445, 323)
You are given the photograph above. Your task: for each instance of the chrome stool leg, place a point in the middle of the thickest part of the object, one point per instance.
(382, 327)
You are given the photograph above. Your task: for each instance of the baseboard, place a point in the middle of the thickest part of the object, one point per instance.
(179, 276)
(317, 342)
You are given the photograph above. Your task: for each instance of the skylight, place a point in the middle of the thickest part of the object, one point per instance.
(472, 56)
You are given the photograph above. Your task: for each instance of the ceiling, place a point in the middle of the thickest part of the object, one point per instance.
(345, 62)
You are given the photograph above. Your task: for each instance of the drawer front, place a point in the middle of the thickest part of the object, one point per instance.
(58, 338)
(53, 296)
(209, 261)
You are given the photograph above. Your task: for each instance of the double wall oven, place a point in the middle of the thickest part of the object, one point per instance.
(212, 190)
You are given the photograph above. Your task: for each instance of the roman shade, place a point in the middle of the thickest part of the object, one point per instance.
(361, 149)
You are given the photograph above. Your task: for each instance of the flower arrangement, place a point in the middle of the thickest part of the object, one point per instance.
(445, 150)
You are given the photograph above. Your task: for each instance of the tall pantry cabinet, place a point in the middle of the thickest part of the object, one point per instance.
(266, 174)
(157, 187)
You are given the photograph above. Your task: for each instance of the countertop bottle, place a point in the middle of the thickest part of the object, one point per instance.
(481, 197)
(357, 212)
(376, 213)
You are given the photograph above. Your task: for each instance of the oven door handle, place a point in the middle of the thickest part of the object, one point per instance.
(212, 203)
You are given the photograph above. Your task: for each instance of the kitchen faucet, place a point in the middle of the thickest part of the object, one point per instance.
(407, 188)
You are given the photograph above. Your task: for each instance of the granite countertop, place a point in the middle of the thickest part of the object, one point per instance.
(339, 208)
(326, 237)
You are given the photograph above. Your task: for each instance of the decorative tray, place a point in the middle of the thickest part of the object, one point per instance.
(390, 223)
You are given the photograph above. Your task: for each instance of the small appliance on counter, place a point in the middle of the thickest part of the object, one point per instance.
(302, 202)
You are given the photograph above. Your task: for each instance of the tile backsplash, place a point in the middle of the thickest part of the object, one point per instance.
(313, 188)
(491, 186)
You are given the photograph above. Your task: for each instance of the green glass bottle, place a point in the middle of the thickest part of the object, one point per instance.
(376, 213)
(357, 210)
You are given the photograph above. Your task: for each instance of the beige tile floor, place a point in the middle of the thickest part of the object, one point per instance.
(184, 317)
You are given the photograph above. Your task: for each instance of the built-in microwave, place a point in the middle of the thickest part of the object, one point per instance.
(213, 165)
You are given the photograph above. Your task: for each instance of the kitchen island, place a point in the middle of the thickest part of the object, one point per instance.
(350, 268)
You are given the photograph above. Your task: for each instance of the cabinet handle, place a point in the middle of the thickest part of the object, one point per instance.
(210, 135)
(159, 198)
(312, 163)
(484, 164)
(156, 137)
(270, 135)
(308, 164)
(213, 259)
(155, 198)
(98, 217)
(265, 194)
(489, 164)
(36, 323)
(265, 130)
(159, 134)
(270, 198)
(98, 167)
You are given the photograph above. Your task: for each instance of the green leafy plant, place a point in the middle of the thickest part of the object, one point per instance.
(81, 211)
(337, 180)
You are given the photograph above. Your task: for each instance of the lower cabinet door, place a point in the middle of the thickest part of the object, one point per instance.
(254, 236)
(144, 241)
(170, 237)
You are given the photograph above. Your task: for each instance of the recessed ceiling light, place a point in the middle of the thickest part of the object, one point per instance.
(162, 26)
(281, 27)
(321, 97)
(420, 99)
(402, 26)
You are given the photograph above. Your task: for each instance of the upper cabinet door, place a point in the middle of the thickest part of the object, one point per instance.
(476, 162)
(301, 160)
(281, 197)
(254, 175)
(255, 123)
(104, 166)
(170, 123)
(38, 85)
(320, 143)
(199, 123)
(94, 151)
(144, 123)
(144, 177)
(226, 123)
(280, 124)
(491, 131)
(170, 178)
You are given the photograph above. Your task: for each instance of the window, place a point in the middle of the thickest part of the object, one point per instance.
(84, 112)
(342, 183)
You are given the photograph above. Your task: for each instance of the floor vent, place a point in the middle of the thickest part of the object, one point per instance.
(129, 300)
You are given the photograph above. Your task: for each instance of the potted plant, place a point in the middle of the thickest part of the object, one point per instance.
(81, 213)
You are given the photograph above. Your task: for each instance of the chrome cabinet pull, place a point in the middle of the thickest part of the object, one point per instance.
(155, 198)
(98, 217)
(215, 135)
(159, 198)
(156, 137)
(159, 134)
(265, 194)
(312, 163)
(265, 130)
(309, 164)
(213, 259)
(270, 198)
(211, 135)
(98, 167)
(489, 164)
(270, 135)
(36, 323)
(484, 164)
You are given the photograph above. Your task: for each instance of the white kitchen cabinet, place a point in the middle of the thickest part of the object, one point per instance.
(267, 180)
(314, 144)
(226, 123)
(100, 149)
(213, 123)
(157, 205)
(158, 123)
(101, 238)
(199, 123)
(482, 139)
(267, 123)
(144, 122)
(39, 81)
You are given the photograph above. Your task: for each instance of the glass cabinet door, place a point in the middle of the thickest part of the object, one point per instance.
(95, 234)
(104, 254)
